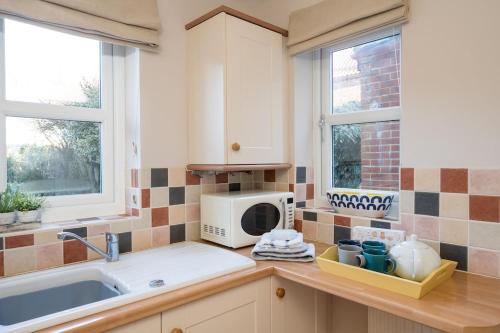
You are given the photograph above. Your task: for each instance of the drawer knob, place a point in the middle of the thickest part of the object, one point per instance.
(235, 146)
(280, 292)
(176, 330)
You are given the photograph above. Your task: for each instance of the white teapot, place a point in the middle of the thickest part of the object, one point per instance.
(415, 260)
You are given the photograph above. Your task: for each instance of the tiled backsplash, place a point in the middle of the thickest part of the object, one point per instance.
(163, 207)
(456, 211)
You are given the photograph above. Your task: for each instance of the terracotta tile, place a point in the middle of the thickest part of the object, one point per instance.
(485, 182)
(19, 260)
(309, 229)
(135, 212)
(297, 225)
(50, 255)
(407, 179)
(454, 205)
(19, 241)
(141, 240)
(269, 176)
(325, 233)
(484, 208)
(309, 191)
(2, 273)
(193, 231)
(454, 180)
(221, 178)
(145, 198)
(74, 251)
(161, 236)
(97, 229)
(342, 220)
(427, 227)
(291, 188)
(299, 213)
(176, 214)
(192, 213)
(484, 262)
(427, 180)
(484, 235)
(192, 179)
(159, 216)
(454, 231)
(134, 178)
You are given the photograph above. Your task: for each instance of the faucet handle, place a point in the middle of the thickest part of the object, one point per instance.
(111, 237)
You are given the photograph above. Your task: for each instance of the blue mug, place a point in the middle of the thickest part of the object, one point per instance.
(378, 260)
(373, 245)
(349, 242)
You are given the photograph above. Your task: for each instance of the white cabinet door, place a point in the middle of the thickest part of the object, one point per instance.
(150, 325)
(245, 309)
(254, 93)
(301, 309)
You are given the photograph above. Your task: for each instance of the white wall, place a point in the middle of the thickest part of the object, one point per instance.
(163, 97)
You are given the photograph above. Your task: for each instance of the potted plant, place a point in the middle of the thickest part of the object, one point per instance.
(28, 207)
(7, 210)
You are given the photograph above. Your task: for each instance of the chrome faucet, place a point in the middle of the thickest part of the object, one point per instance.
(112, 251)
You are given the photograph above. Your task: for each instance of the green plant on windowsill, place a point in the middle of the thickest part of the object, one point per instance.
(7, 209)
(28, 207)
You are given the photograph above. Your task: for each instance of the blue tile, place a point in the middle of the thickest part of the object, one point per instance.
(177, 233)
(309, 216)
(159, 177)
(300, 175)
(1, 243)
(340, 232)
(234, 187)
(125, 242)
(456, 253)
(82, 232)
(176, 195)
(427, 203)
(380, 224)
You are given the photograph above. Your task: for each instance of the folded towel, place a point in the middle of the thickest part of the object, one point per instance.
(299, 248)
(305, 256)
(273, 238)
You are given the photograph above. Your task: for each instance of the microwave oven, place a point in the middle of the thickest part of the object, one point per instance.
(237, 219)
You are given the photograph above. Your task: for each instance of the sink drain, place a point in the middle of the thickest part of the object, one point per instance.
(156, 283)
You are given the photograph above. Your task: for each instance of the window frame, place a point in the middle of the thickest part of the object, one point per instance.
(324, 118)
(111, 115)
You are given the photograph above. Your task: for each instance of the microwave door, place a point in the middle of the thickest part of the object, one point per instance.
(260, 218)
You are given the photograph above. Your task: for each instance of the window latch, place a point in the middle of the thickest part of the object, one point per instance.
(322, 124)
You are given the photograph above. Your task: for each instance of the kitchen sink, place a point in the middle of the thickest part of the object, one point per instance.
(19, 308)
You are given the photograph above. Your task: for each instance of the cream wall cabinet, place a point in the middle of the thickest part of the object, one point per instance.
(246, 309)
(236, 96)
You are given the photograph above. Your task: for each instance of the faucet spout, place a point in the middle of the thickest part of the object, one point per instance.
(112, 250)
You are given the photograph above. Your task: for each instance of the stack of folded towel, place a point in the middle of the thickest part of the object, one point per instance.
(286, 245)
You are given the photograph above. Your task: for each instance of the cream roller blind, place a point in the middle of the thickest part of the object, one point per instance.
(334, 20)
(126, 22)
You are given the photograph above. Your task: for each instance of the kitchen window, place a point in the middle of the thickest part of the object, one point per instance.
(61, 132)
(358, 83)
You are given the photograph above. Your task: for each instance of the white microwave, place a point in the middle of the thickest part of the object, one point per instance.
(237, 219)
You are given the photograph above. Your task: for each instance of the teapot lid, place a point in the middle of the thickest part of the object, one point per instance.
(414, 243)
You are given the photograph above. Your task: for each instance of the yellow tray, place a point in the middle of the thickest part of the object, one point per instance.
(328, 262)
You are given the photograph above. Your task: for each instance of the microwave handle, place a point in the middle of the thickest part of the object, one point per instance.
(285, 217)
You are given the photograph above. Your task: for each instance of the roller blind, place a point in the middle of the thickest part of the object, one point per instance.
(126, 22)
(334, 20)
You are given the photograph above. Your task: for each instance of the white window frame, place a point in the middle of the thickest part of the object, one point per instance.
(323, 117)
(111, 115)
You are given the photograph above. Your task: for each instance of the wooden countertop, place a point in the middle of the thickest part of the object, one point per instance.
(466, 303)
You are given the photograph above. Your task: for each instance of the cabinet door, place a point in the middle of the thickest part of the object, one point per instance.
(254, 93)
(301, 309)
(245, 309)
(150, 324)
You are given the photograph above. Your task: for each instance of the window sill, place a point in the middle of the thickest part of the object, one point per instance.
(361, 220)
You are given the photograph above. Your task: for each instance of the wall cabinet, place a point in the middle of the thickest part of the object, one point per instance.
(236, 98)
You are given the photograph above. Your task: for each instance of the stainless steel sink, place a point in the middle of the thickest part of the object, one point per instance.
(19, 308)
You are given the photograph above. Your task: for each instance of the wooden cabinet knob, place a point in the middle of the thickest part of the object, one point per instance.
(176, 330)
(235, 146)
(280, 292)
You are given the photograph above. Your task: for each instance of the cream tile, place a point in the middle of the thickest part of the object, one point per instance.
(454, 231)
(234, 177)
(427, 180)
(310, 203)
(193, 193)
(359, 222)
(246, 186)
(282, 187)
(454, 205)
(269, 186)
(193, 231)
(246, 177)
(282, 176)
(485, 235)
(144, 178)
(97, 229)
(46, 237)
(100, 242)
(291, 175)
(119, 227)
(208, 188)
(161, 236)
(258, 176)
(407, 202)
(159, 197)
(427, 227)
(258, 186)
(324, 233)
(433, 244)
(484, 182)
(208, 179)
(223, 187)
(141, 239)
(406, 223)
(300, 192)
(177, 176)
(310, 175)
(298, 214)
(144, 221)
(20, 260)
(309, 229)
(49, 255)
(192, 212)
(176, 214)
(484, 262)
(325, 218)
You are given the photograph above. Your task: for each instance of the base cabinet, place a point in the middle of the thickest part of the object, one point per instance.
(150, 325)
(246, 309)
